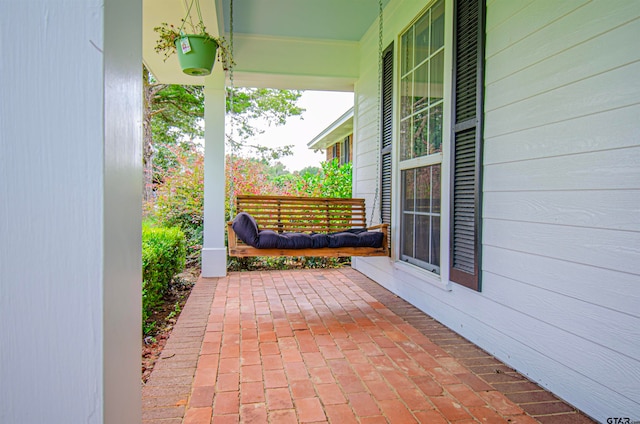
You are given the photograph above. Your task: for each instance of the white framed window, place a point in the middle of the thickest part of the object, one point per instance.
(422, 65)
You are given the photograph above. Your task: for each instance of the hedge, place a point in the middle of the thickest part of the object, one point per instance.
(163, 256)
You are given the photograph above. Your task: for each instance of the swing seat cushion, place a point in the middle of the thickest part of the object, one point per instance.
(246, 228)
(356, 239)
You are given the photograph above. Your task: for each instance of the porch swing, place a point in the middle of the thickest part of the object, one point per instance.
(305, 226)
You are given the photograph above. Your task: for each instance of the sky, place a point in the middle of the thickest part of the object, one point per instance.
(322, 109)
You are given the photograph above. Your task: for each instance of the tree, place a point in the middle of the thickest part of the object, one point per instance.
(251, 104)
(173, 116)
(312, 170)
(247, 106)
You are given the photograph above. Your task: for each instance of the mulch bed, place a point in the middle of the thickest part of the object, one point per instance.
(164, 318)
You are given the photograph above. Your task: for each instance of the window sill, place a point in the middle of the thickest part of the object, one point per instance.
(422, 275)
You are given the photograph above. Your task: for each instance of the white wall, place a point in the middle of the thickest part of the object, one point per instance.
(561, 235)
(70, 195)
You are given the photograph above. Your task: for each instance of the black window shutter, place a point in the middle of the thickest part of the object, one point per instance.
(466, 151)
(386, 122)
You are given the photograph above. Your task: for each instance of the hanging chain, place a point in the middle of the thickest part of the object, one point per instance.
(379, 115)
(231, 112)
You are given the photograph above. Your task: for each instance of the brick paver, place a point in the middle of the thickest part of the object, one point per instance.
(487, 374)
(330, 346)
(171, 384)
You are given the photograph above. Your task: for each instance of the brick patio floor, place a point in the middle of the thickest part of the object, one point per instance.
(315, 346)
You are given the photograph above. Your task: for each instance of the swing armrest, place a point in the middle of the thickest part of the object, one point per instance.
(232, 238)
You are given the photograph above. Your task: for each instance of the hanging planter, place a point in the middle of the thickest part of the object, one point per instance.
(197, 50)
(196, 54)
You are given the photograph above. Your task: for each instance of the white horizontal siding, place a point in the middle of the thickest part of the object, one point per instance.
(615, 250)
(603, 209)
(523, 19)
(561, 201)
(607, 328)
(611, 129)
(607, 288)
(552, 72)
(598, 93)
(545, 28)
(608, 169)
(501, 11)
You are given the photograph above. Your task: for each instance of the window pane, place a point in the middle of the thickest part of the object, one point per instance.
(405, 95)
(408, 190)
(437, 26)
(422, 29)
(435, 129)
(405, 139)
(407, 52)
(407, 235)
(420, 134)
(421, 87)
(423, 189)
(435, 241)
(435, 189)
(436, 78)
(422, 237)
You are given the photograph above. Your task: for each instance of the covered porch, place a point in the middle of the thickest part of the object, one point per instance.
(329, 345)
(558, 246)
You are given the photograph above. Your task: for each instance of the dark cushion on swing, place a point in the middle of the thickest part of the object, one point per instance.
(320, 240)
(370, 239)
(343, 239)
(295, 241)
(359, 239)
(246, 229)
(268, 239)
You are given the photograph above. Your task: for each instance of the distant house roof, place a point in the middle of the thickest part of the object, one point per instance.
(337, 131)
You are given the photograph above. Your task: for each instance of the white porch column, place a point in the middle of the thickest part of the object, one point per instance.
(214, 254)
(70, 211)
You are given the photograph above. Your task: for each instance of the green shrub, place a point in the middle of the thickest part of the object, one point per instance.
(180, 202)
(333, 180)
(163, 256)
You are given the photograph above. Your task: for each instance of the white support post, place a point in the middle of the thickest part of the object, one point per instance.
(70, 212)
(214, 253)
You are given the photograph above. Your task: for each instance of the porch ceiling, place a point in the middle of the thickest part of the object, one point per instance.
(295, 44)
